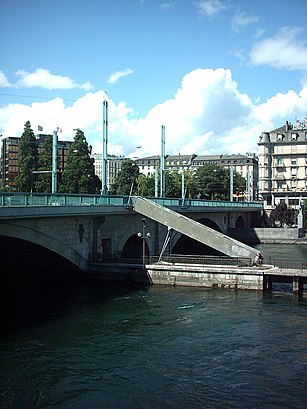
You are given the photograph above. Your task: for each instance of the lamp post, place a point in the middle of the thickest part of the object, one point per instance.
(144, 236)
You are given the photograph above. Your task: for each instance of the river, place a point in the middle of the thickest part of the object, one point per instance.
(88, 344)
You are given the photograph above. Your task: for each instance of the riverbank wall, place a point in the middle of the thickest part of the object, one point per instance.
(256, 235)
(192, 275)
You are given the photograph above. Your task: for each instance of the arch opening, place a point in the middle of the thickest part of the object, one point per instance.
(133, 248)
(20, 256)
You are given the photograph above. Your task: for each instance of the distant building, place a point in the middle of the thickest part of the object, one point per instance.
(9, 161)
(283, 164)
(114, 164)
(245, 165)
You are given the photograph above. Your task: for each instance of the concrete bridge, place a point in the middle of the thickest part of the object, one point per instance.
(80, 228)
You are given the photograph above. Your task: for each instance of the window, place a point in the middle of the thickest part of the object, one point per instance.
(294, 136)
(280, 137)
(280, 161)
(293, 161)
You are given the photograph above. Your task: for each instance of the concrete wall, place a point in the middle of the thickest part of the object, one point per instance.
(265, 235)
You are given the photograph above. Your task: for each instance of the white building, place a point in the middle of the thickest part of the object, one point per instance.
(283, 165)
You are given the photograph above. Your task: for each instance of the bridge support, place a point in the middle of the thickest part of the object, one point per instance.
(195, 230)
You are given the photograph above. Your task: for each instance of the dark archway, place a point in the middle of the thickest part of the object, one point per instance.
(133, 248)
(187, 245)
(240, 223)
(24, 258)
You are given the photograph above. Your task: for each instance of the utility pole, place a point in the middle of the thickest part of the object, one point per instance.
(104, 189)
(54, 161)
(162, 163)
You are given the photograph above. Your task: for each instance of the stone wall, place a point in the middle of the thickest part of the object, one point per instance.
(266, 235)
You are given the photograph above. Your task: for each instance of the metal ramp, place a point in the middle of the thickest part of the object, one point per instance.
(193, 229)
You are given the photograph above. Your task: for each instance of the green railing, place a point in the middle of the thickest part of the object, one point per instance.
(49, 199)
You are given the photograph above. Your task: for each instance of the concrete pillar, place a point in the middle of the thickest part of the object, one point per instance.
(298, 285)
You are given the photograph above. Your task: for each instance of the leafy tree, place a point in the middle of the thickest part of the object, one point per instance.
(146, 185)
(127, 176)
(44, 180)
(28, 157)
(79, 172)
(282, 216)
(214, 182)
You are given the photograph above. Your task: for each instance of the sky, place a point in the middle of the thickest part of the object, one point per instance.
(215, 73)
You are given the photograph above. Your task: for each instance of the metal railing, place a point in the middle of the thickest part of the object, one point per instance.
(174, 259)
(202, 260)
(287, 264)
(49, 199)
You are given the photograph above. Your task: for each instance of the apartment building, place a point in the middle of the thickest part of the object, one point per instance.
(114, 164)
(10, 154)
(283, 165)
(245, 165)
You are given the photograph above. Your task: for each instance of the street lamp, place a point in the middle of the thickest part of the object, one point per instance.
(144, 236)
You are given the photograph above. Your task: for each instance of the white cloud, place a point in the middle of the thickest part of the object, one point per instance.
(119, 74)
(207, 115)
(44, 79)
(4, 83)
(166, 6)
(241, 20)
(284, 50)
(210, 8)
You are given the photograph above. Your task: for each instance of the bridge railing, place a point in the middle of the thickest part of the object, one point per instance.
(202, 260)
(174, 258)
(49, 199)
(57, 199)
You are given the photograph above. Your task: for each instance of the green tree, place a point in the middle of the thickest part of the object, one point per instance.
(28, 157)
(126, 178)
(214, 182)
(282, 216)
(79, 172)
(146, 185)
(44, 180)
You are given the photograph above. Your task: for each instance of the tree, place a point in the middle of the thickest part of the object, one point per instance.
(282, 216)
(44, 180)
(126, 178)
(28, 157)
(79, 172)
(146, 185)
(214, 182)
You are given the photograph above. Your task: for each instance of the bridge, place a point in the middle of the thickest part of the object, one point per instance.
(80, 228)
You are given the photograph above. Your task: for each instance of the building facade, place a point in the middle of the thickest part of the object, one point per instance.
(283, 165)
(114, 164)
(9, 161)
(245, 165)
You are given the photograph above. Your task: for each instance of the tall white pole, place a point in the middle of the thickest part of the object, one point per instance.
(162, 163)
(54, 162)
(104, 189)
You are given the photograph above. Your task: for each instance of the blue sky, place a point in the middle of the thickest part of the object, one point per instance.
(216, 73)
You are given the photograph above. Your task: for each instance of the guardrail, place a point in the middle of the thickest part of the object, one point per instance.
(52, 199)
(287, 264)
(175, 258)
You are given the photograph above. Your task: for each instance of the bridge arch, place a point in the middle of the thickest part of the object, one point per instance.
(133, 248)
(46, 241)
(240, 222)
